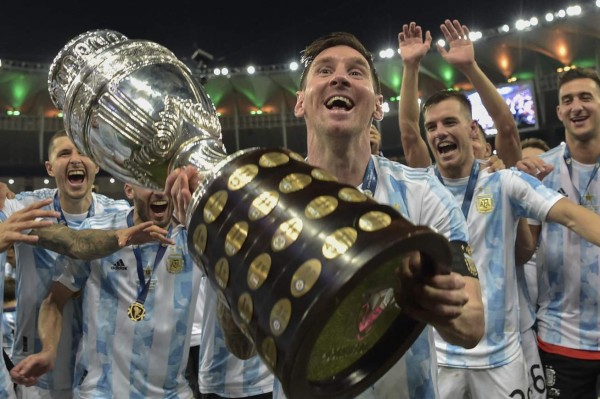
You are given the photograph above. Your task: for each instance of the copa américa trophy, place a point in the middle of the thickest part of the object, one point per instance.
(306, 264)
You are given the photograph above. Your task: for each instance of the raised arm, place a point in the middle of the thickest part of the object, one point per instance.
(461, 55)
(32, 367)
(90, 244)
(576, 218)
(412, 49)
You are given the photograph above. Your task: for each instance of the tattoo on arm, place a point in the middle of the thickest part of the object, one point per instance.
(79, 244)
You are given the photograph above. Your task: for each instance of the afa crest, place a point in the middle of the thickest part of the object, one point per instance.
(175, 262)
(484, 203)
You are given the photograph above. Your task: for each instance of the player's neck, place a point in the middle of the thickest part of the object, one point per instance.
(347, 167)
(456, 171)
(584, 151)
(75, 205)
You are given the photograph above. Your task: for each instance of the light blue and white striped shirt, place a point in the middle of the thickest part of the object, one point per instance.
(35, 268)
(569, 280)
(121, 358)
(499, 200)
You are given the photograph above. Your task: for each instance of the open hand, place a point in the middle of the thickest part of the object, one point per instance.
(143, 233)
(412, 46)
(27, 218)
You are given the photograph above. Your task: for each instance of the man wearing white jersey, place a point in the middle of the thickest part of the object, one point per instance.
(74, 201)
(461, 55)
(10, 233)
(493, 203)
(339, 97)
(569, 279)
(221, 374)
(139, 308)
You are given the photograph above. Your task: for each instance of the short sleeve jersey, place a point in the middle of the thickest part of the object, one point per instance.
(35, 267)
(219, 371)
(499, 200)
(569, 280)
(422, 199)
(120, 357)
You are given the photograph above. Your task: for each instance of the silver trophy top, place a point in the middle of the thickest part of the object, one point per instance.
(133, 107)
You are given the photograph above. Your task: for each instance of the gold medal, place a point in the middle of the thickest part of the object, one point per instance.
(136, 311)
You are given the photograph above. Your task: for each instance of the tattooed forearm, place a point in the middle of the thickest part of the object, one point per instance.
(237, 343)
(79, 244)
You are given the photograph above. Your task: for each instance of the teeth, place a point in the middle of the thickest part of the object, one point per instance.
(76, 173)
(160, 203)
(345, 100)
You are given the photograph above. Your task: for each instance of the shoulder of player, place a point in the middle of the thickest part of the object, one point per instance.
(27, 197)
(108, 220)
(108, 202)
(402, 172)
(553, 154)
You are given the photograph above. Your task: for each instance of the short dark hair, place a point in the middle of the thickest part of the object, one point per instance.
(443, 95)
(55, 136)
(534, 142)
(578, 73)
(10, 290)
(337, 39)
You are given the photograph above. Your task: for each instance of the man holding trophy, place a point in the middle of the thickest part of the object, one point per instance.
(338, 98)
(329, 287)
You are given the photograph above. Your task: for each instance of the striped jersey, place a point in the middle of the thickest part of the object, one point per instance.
(6, 385)
(569, 280)
(121, 358)
(499, 200)
(35, 267)
(219, 371)
(423, 200)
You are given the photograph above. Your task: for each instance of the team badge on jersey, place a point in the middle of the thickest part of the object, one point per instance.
(175, 262)
(484, 203)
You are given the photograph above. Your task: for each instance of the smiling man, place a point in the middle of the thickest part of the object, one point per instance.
(139, 307)
(569, 279)
(492, 203)
(74, 201)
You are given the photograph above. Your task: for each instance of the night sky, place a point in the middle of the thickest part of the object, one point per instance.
(241, 33)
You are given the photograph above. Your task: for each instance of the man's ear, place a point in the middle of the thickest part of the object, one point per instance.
(378, 112)
(129, 191)
(49, 169)
(558, 113)
(299, 107)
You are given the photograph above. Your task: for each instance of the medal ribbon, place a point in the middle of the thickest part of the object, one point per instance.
(62, 219)
(370, 179)
(569, 161)
(466, 205)
(140, 267)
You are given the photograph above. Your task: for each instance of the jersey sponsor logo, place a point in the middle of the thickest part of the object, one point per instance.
(119, 265)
